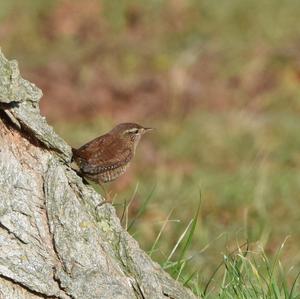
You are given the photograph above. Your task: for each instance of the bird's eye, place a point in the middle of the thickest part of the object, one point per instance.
(133, 131)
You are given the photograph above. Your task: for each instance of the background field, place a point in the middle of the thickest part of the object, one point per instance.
(220, 82)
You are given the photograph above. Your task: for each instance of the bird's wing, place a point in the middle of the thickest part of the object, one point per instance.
(102, 154)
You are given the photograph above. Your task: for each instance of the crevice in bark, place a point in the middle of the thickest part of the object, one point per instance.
(168, 296)
(6, 120)
(25, 133)
(137, 289)
(61, 287)
(55, 251)
(41, 295)
(7, 106)
(12, 233)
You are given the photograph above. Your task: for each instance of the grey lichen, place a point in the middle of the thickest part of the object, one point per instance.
(13, 88)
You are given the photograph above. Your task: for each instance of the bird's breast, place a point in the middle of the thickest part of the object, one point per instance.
(112, 174)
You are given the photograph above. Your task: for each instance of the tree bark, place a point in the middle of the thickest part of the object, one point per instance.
(53, 242)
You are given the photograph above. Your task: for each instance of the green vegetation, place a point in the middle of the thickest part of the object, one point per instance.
(220, 80)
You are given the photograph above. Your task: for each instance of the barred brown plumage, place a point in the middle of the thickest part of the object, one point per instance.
(107, 157)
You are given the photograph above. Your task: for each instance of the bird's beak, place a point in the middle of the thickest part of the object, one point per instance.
(146, 130)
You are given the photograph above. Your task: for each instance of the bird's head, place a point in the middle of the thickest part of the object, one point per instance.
(130, 132)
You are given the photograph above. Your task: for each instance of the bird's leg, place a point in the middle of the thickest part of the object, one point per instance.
(104, 190)
(107, 198)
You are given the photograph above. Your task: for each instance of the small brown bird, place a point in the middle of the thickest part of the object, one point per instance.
(107, 157)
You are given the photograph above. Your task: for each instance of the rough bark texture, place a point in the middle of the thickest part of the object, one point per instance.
(53, 243)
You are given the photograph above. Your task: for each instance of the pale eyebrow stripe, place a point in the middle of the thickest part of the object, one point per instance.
(132, 130)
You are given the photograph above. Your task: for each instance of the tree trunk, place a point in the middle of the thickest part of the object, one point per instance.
(53, 243)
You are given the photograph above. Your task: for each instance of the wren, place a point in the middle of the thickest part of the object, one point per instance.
(107, 157)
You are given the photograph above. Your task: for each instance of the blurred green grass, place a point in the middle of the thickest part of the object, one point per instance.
(246, 168)
(226, 111)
